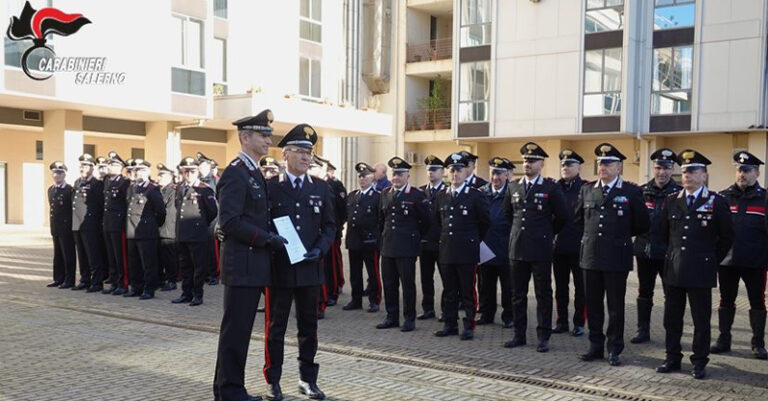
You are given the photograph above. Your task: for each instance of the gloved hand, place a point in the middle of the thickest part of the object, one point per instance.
(220, 234)
(314, 255)
(276, 241)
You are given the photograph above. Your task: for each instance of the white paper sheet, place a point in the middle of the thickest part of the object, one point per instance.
(486, 253)
(294, 247)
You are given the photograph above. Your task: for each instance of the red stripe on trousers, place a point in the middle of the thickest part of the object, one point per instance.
(125, 259)
(267, 359)
(216, 251)
(378, 276)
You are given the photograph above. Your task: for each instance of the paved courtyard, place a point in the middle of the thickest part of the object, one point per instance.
(65, 345)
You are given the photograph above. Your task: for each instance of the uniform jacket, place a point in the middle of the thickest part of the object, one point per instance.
(609, 223)
(650, 245)
(115, 203)
(168, 229)
(312, 213)
(402, 221)
(363, 224)
(497, 237)
(750, 244)
(87, 204)
(146, 211)
(698, 238)
(463, 220)
(568, 239)
(476, 182)
(195, 210)
(430, 240)
(60, 201)
(244, 221)
(339, 194)
(536, 216)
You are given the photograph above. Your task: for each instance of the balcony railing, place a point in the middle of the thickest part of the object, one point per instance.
(437, 49)
(421, 120)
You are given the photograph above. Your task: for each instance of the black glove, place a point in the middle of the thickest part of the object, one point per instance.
(314, 255)
(276, 241)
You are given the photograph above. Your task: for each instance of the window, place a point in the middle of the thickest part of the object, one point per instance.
(38, 150)
(671, 14)
(604, 15)
(309, 77)
(220, 8)
(672, 80)
(310, 18)
(475, 23)
(602, 82)
(137, 153)
(187, 75)
(90, 149)
(474, 91)
(219, 66)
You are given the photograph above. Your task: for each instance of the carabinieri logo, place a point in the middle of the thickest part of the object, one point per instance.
(35, 25)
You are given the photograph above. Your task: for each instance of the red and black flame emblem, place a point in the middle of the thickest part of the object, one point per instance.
(35, 25)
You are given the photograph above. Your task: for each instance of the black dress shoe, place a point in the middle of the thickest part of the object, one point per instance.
(311, 390)
(543, 346)
(260, 309)
(94, 288)
(274, 392)
(320, 315)
(720, 348)
(108, 281)
(53, 284)
(577, 331)
(80, 286)
(642, 336)
(131, 293)
(366, 292)
(120, 291)
(196, 301)
(428, 314)
(759, 352)
(373, 308)
(508, 324)
(147, 295)
(441, 318)
(447, 331)
(330, 302)
(560, 328)
(515, 342)
(467, 334)
(668, 366)
(109, 290)
(613, 359)
(408, 325)
(387, 324)
(591, 355)
(699, 372)
(213, 281)
(168, 286)
(182, 299)
(65, 286)
(352, 306)
(484, 321)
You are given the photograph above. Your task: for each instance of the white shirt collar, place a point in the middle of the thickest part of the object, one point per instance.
(248, 159)
(695, 193)
(459, 189)
(612, 183)
(293, 178)
(366, 190)
(439, 184)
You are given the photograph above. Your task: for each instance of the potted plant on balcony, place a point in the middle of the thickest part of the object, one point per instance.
(434, 103)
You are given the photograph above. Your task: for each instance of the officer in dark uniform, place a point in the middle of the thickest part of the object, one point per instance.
(649, 248)
(537, 209)
(497, 240)
(565, 256)
(146, 213)
(168, 259)
(473, 180)
(308, 203)
(209, 176)
(462, 214)
(363, 238)
(269, 167)
(87, 214)
(748, 258)
(429, 242)
(60, 201)
(611, 212)
(403, 219)
(115, 206)
(195, 209)
(245, 253)
(697, 226)
(102, 168)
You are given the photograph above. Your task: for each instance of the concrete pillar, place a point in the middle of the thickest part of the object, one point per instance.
(758, 146)
(162, 144)
(63, 140)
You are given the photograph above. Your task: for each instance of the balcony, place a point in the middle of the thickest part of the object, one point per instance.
(423, 120)
(430, 59)
(434, 7)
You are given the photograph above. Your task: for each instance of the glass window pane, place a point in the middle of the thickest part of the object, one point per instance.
(468, 8)
(483, 11)
(218, 67)
(304, 8)
(475, 35)
(614, 3)
(593, 66)
(187, 81)
(612, 70)
(316, 78)
(317, 13)
(606, 19)
(671, 103)
(473, 111)
(683, 67)
(310, 31)
(178, 41)
(595, 4)
(662, 65)
(473, 82)
(220, 8)
(602, 104)
(195, 44)
(304, 76)
(674, 17)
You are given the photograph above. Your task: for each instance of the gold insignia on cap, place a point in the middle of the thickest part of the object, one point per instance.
(430, 158)
(498, 161)
(567, 152)
(605, 149)
(666, 153)
(270, 116)
(396, 161)
(308, 131)
(269, 160)
(687, 156)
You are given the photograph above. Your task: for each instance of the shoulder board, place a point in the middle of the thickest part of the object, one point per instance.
(236, 162)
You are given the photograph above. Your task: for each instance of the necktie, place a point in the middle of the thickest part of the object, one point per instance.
(606, 188)
(297, 184)
(691, 199)
(528, 186)
(186, 190)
